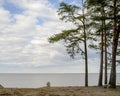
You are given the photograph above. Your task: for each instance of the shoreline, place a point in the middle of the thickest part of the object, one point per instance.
(60, 91)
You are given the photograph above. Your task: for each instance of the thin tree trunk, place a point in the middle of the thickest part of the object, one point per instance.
(85, 48)
(105, 43)
(101, 63)
(105, 81)
(102, 44)
(86, 59)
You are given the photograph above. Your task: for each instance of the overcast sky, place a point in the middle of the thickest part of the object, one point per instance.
(25, 26)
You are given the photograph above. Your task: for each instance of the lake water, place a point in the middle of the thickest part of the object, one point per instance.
(40, 80)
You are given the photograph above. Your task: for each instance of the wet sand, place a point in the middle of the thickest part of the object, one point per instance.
(60, 91)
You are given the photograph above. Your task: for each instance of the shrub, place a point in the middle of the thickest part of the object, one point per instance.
(48, 84)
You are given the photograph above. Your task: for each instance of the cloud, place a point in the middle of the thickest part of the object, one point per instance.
(4, 18)
(36, 8)
(23, 41)
(24, 44)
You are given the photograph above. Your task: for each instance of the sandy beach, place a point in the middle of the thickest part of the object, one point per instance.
(60, 91)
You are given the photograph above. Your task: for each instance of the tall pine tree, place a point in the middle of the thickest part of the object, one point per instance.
(74, 37)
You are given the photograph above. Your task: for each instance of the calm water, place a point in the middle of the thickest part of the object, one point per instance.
(40, 80)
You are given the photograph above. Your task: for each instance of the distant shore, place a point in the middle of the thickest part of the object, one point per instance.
(60, 91)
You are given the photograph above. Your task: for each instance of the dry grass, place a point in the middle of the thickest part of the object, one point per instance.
(60, 91)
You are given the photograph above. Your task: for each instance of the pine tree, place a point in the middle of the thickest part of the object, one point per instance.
(113, 18)
(116, 32)
(97, 9)
(76, 36)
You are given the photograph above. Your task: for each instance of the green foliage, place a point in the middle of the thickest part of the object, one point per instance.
(94, 2)
(93, 46)
(73, 38)
(67, 12)
(48, 84)
(96, 23)
(64, 35)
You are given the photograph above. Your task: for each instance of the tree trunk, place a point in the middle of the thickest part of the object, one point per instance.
(105, 78)
(105, 43)
(102, 44)
(101, 63)
(85, 48)
(86, 59)
(114, 50)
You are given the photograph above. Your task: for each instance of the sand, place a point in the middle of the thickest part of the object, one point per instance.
(60, 91)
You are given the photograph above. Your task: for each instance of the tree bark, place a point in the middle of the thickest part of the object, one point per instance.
(105, 42)
(105, 80)
(101, 63)
(86, 59)
(114, 50)
(85, 48)
(102, 44)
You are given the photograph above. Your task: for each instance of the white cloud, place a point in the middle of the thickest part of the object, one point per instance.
(4, 18)
(23, 40)
(36, 8)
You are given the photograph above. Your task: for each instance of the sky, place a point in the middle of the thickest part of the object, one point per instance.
(25, 26)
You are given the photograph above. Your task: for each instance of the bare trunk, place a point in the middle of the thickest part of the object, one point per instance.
(105, 81)
(114, 50)
(85, 48)
(105, 43)
(101, 63)
(86, 59)
(102, 44)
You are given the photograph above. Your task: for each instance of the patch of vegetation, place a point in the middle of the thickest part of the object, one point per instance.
(48, 84)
